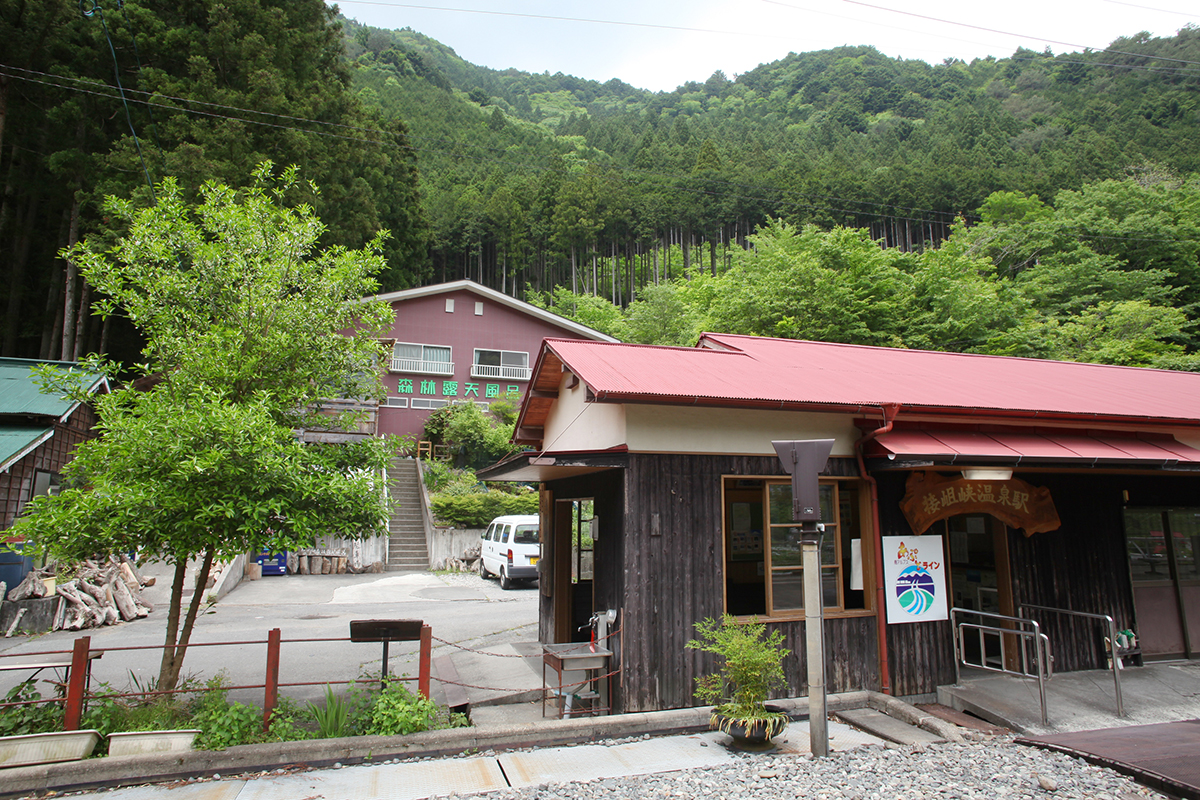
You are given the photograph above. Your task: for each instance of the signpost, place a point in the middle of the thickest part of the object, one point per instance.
(804, 459)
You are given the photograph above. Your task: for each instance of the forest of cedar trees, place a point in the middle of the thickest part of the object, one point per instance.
(1037, 205)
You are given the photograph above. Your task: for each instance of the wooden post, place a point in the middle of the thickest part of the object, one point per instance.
(271, 688)
(424, 659)
(77, 684)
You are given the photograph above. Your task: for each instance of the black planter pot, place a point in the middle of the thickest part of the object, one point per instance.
(749, 733)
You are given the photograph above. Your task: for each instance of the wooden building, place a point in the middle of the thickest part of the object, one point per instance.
(38, 433)
(1073, 486)
(461, 342)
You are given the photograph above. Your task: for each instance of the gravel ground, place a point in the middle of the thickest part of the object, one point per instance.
(995, 769)
(984, 770)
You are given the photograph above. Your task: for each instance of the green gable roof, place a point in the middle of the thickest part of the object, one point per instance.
(17, 441)
(20, 396)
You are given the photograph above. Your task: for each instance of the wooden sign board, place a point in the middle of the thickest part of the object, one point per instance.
(385, 630)
(930, 497)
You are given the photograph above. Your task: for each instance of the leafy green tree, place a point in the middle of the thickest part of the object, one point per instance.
(249, 328)
(835, 286)
(586, 309)
(661, 315)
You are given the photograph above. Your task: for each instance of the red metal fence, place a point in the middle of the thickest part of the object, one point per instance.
(79, 666)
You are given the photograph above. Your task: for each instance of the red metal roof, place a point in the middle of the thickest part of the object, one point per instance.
(760, 372)
(1023, 448)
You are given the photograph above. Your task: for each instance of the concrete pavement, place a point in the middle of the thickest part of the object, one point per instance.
(463, 611)
(1078, 701)
(371, 767)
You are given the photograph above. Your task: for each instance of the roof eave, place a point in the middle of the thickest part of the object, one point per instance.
(497, 297)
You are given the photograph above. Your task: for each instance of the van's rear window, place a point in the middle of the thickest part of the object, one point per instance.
(526, 534)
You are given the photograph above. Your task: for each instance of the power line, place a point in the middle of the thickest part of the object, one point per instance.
(994, 30)
(757, 34)
(555, 18)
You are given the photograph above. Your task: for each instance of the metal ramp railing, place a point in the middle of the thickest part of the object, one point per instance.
(1035, 660)
(1112, 639)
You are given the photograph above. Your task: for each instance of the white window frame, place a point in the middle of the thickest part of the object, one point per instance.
(428, 402)
(503, 371)
(392, 401)
(424, 365)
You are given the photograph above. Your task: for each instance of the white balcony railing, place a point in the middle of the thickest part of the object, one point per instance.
(504, 373)
(423, 367)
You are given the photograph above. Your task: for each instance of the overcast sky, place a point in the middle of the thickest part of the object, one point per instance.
(659, 44)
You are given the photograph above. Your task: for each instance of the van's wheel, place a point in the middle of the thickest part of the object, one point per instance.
(483, 573)
(505, 582)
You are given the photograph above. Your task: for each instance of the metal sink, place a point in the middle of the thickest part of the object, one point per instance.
(575, 655)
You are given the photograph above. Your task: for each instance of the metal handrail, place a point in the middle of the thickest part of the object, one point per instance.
(1112, 644)
(1029, 630)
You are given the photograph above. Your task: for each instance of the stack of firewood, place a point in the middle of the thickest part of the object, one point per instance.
(98, 594)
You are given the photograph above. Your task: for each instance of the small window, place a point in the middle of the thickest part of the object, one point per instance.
(763, 568)
(449, 305)
(505, 364)
(504, 534)
(479, 309)
(396, 402)
(425, 402)
(426, 359)
(487, 534)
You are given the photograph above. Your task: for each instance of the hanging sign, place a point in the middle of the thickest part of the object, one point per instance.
(930, 497)
(914, 577)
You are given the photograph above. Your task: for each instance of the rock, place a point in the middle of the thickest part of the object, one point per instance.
(1048, 784)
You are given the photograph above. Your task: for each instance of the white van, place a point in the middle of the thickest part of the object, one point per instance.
(510, 548)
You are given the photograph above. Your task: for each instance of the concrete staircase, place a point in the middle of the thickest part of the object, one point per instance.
(406, 530)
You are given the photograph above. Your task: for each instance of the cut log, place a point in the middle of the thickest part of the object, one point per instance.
(127, 564)
(96, 591)
(32, 586)
(16, 621)
(127, 575)
(123, 599)
(326, 566)
(302, 564)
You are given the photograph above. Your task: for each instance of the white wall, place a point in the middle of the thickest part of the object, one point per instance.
(576, 425)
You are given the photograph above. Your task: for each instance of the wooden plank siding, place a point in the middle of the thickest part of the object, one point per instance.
(16, 483)
(1082, 566)
(665, 572)
(660, 562)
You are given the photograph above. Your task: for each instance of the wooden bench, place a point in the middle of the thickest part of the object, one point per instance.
(38, 666)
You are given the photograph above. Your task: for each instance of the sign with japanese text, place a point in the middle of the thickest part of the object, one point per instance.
(930, 497)
(914, 579)
(435, 388)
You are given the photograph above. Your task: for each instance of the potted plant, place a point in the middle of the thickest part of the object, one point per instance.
(751, 666)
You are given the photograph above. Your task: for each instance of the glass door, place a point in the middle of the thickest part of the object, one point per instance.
(1162, 544)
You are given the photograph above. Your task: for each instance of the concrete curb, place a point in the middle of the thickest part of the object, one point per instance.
(914, 716)
(113, 771)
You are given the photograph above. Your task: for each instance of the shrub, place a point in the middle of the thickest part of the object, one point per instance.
(440, 477)
(478, 509)
(21, 720)
(752, 665)
(397, 711)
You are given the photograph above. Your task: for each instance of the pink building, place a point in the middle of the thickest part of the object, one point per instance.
(462, 342)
